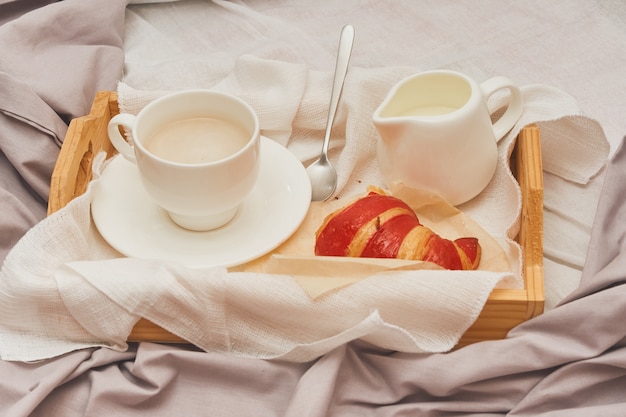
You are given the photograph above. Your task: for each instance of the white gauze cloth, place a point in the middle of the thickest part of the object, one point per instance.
(65, 288)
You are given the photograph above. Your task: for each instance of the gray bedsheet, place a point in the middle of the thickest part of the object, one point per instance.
(53, 58)
(571, 361)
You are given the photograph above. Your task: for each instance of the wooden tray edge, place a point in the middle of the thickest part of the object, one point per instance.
(71, 173)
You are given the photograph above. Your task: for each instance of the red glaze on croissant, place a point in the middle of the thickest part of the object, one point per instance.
(383, 226)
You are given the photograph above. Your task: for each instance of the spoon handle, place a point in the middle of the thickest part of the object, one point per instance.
(341, 69)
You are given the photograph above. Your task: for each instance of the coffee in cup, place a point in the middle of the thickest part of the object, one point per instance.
(197, 140)
(197, 153)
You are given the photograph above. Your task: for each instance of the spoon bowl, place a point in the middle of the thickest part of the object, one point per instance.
(322, 174)
(323, 179)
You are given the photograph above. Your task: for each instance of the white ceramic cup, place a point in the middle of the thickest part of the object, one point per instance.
(203, 191)
(436, 133)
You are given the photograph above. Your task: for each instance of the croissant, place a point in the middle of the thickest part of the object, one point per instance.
(382, 226)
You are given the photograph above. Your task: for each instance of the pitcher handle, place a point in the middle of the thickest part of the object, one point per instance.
(515, 106)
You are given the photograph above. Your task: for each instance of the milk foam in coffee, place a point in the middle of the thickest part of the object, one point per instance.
(197, 140)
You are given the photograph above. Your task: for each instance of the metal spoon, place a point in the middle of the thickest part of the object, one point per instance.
(321, 173)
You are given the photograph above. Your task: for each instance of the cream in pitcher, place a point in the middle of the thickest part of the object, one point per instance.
(436, 133)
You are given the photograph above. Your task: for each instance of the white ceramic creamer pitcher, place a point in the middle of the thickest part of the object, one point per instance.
(436, 133)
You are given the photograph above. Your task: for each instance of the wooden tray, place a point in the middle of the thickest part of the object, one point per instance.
(504, 309)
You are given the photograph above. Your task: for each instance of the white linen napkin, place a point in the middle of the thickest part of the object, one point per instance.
(63, 287)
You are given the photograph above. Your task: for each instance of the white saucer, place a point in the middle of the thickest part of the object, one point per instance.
(133, 224)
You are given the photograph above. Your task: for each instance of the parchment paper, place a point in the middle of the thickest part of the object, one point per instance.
(320, 274)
